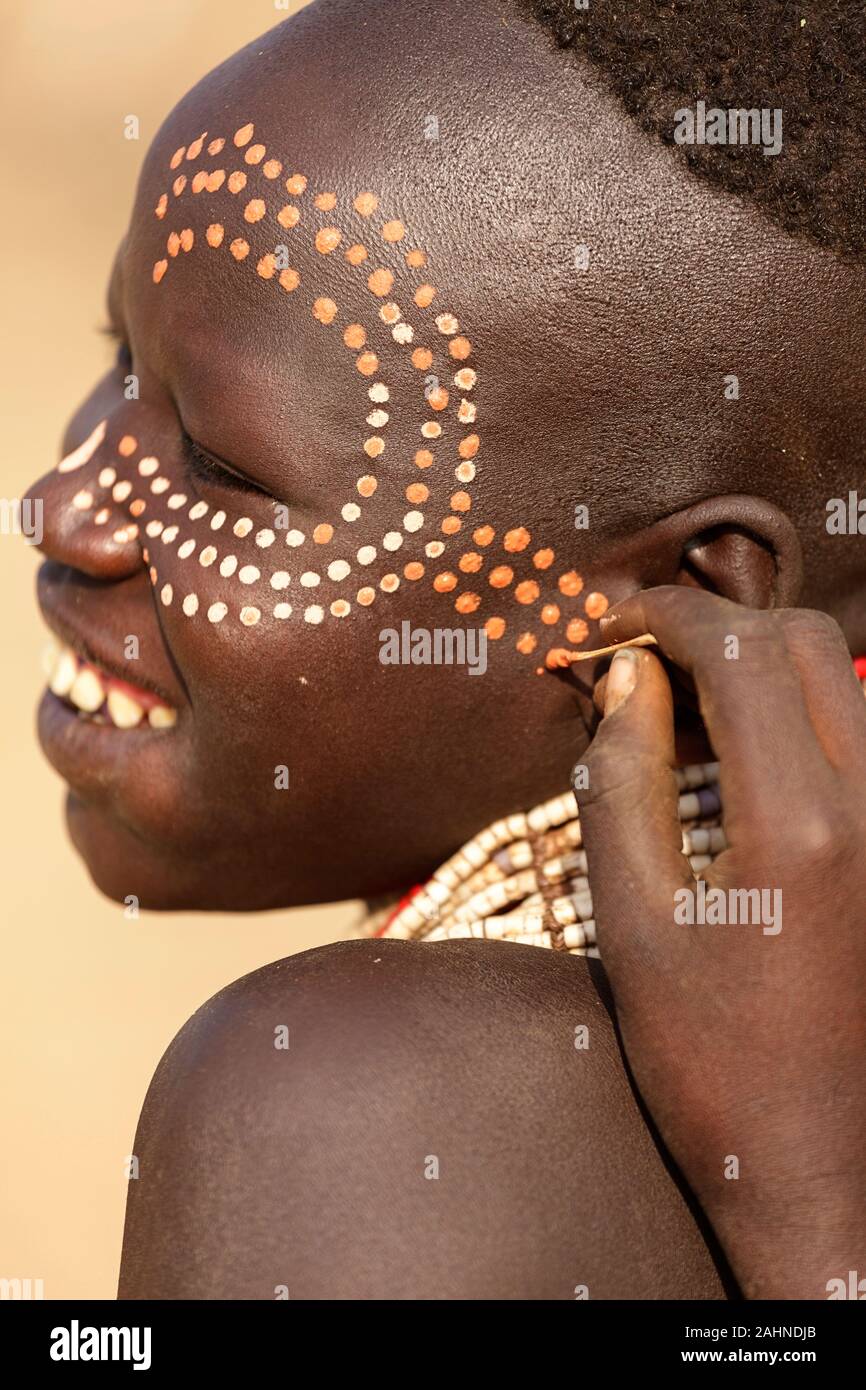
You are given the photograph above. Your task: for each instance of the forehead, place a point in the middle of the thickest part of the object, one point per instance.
(603, 282)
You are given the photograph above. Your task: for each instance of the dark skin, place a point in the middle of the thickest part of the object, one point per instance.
(603, 388)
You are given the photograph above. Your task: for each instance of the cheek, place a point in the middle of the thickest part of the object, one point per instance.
(411, 536)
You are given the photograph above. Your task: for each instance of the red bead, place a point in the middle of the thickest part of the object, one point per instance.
(860, 667)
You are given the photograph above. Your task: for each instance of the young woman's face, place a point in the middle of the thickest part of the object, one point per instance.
(365, 413)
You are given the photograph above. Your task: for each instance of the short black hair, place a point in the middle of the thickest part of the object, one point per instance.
(804, 57)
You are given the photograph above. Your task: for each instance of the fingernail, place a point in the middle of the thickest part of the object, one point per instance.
(621, 679)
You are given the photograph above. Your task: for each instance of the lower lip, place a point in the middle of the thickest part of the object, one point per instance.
(92, 758)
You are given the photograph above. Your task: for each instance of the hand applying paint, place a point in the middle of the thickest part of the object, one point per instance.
(740, 1001)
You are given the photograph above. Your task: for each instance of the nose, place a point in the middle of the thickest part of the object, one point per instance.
(79, 513)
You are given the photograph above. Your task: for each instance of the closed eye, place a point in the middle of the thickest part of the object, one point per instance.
(207, 469)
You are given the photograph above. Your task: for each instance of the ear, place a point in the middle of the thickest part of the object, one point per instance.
(741, 547)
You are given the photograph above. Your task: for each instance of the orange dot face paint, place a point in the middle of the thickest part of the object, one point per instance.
(325, 310)
(327, 240)
(383, 319)
(595, 606)
(381, 282)
(516, 540)
(570, 583)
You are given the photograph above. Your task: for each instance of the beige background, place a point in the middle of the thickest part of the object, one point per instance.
(88, 1001)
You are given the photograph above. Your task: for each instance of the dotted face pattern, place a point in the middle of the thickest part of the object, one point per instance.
(508, 583)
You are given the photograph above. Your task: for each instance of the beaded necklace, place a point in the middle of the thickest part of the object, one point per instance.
(524, 878)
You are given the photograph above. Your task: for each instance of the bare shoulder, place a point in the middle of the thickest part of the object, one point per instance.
(397, 1120)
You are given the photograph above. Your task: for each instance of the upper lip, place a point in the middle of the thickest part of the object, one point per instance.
(91, 649)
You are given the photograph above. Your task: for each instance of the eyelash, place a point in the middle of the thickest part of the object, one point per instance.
(208, 470)
(123, 359)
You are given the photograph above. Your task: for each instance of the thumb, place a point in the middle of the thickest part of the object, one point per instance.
(627, 796)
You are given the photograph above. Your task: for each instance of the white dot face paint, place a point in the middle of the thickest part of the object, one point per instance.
(430, 348)
(84, 453)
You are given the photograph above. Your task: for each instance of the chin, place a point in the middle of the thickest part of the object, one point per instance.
(125, 868)
(168, 876)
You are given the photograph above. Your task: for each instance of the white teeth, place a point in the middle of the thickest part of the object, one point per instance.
(161, 717)
(123, 711)
(86, 692)
(87, 689)
(64, 673)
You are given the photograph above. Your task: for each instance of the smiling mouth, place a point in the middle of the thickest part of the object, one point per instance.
(98, 697)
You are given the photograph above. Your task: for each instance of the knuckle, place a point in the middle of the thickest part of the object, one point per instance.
(811, 629)
(611, 773)
(818, 840)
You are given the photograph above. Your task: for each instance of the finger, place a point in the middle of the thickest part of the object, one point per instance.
(628, 800)
(831, 689)
(749, 692)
